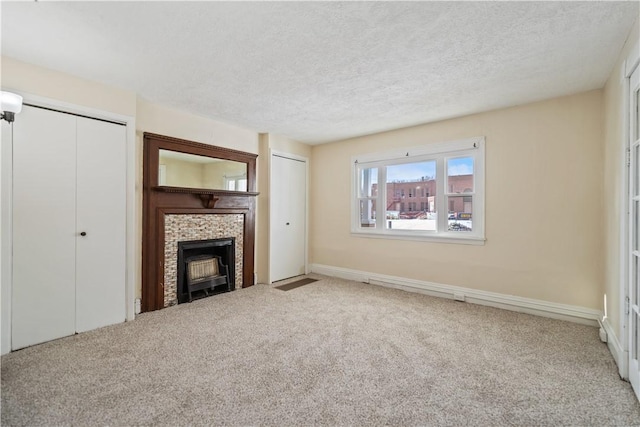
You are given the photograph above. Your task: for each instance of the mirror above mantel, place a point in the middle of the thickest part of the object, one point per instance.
(205, 171)
(185, 170)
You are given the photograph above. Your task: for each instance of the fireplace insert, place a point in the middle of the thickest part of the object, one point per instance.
(205, 267)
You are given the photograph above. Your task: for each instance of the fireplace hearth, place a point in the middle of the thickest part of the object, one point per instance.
(205, 267)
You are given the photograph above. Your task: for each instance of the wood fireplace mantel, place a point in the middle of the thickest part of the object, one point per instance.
(208, 197)
(159, 200)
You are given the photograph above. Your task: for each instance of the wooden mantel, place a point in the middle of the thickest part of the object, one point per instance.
(162, 200)
(208, 197)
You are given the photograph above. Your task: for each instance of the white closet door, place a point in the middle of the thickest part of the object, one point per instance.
(288, 221)
(101, 198)
(44, 218)
(298, 215)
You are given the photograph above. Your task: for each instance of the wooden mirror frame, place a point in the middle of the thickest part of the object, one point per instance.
(161, 200)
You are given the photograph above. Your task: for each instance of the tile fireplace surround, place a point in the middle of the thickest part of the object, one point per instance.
(186, 227)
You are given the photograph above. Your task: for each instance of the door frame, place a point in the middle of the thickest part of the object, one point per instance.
(131, 249)
(628, 67)
(305, 160)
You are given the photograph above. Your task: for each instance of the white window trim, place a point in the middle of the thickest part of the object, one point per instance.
(473, 147)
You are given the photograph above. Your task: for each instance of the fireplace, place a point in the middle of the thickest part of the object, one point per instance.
(174, 214)
(205, 267)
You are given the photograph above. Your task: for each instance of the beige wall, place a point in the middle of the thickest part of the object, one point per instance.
(30, 79)
(269, 142)
(170, 122)
(614, 176)
(182, 173)
(289, 146)
(262, 234)
(543, 157)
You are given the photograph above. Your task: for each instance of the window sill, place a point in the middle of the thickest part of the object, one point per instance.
(460, 240)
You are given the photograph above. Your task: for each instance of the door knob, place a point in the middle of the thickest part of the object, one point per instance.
(84, 233)
(287, 223)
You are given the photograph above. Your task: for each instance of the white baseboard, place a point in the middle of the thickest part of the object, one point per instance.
(619, 355)
(571, 313)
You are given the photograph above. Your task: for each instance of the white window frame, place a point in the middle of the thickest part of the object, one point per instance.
(440, 153)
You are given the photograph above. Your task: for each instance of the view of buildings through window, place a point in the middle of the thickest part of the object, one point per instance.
(411, 191)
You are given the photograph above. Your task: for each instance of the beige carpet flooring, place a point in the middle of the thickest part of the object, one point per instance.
(332, 352)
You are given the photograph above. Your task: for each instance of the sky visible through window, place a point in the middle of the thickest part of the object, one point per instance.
(415, 171)
(411, 172)
(460, 166)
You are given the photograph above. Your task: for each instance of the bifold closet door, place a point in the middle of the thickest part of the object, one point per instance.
(44, 224)
(69, 225)
(101, 198)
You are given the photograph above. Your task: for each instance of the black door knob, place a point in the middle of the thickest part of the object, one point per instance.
(84, 233)
(287, 223)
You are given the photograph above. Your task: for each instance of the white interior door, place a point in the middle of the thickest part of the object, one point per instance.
(634, 224)
(101, 210)
(288, 217)
(44, 218)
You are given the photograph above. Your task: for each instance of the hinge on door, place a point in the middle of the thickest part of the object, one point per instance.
(626, 305)
(628, 157)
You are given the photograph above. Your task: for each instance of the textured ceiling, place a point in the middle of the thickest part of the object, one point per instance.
(322, 71)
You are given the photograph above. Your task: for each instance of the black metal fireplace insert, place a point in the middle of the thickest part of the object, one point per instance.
(220, 250)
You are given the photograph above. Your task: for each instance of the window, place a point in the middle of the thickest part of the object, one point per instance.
(235, 183)
(450, 174)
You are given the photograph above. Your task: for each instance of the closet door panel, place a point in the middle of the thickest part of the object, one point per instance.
(44, 218)
(288, 218)
(101, 189)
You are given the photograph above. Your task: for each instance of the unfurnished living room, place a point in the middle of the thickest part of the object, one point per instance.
(320, 213)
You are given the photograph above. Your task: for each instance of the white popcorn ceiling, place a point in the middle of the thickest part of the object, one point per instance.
(323, 71)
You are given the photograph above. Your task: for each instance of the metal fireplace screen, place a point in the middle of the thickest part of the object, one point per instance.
(202, 269)
(205, 273)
